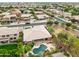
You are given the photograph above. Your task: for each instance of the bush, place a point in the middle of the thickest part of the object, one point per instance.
(68, 24)
(65, 53)
(49, 22)
(47, 53)
(20, 38)
(50, 29)
(74, 26)
(56, 22)
(8, 50)
(28, 47)
(54, 50)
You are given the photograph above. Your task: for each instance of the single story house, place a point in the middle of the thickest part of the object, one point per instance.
(39, 12)
(38, 34)
(42, 16)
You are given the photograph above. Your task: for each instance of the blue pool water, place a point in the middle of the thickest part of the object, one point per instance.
(42, 48)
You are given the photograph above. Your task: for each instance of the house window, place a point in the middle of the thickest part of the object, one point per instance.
(4, 41)
(12, 17)
(15, 34)
(7, 35)
(14, 37)
(3, 35)
(11, 38)
(11, 21)
(46, 39)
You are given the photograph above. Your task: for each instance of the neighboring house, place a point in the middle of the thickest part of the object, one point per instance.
(55, 11)
(38, 34)
(8, 35)
(76, 18)
(9, 18)
(13, 18)
(59, 12)
(26, 17)
(42, 16)
(39, 12)
(5, 13)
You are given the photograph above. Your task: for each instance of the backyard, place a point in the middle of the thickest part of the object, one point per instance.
(8, 50)
(8, 46)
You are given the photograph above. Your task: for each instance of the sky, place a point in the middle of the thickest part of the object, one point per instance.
(39, 0)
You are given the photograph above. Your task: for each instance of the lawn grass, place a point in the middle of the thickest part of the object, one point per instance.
(8, 46)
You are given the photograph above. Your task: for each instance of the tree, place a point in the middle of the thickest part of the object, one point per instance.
(50, 14)
(68, 43)
(44, 7)
(20, 37)
(73, 20)
(10, 7)
(74, 26)
(20, 49)
(47, 53)
(68, 25)
(49, 22)
(56, 22)
(28, 47)
(33, 13)
(22, 11)
(63, 41)
(50, 29)
(21, 34)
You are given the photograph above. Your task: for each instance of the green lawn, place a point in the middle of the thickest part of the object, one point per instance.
(8, 50)
(8, 46)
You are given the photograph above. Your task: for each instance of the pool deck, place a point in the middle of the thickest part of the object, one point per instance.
(49, 46)
(37, 45)
(59, 54)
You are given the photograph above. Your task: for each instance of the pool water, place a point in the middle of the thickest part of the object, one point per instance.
(39, 50)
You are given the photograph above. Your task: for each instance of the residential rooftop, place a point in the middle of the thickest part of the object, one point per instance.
(26, 15)
(42, 16)
(36, 33)
(8, 31)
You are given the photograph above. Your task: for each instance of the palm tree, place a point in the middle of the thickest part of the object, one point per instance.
(20, 49)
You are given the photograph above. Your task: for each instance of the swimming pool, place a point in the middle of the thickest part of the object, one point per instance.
(39, 50)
